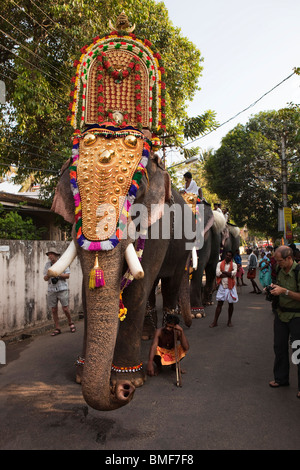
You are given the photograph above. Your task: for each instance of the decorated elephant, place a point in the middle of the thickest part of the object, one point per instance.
(231, 239)
(117, 113)
(173, 277)
(219, 237)
(208, 257)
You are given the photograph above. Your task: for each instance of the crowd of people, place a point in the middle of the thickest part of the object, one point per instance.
(268, 270)
(277, 272)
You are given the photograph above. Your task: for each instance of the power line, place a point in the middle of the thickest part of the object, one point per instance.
(33, 53)
(56, 172)
(27, 37)
(43, 27)
(240, 112)
(54, 22)
(29, 153)
(33, 65)
(34, 146)
(27, 79)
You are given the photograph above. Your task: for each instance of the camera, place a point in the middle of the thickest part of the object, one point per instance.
(54, 280)
(269, 295)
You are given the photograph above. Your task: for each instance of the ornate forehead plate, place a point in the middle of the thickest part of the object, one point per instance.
(104, 180)
(105, 171)
(119, 78)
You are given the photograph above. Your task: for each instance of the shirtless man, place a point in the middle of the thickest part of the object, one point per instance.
(162, 350)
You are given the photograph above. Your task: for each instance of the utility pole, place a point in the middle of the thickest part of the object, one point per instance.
(284, 181)
(284, 171)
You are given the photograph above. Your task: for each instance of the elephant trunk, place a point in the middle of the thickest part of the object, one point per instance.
(102, 326)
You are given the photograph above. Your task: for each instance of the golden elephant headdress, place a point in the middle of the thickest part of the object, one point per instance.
(119, 78)
(118, 92)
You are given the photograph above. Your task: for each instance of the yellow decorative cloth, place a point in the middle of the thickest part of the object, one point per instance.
(168, 355)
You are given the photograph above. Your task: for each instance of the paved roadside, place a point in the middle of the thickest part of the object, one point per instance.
(225, 401)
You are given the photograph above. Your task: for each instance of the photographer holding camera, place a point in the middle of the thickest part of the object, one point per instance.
(58, 290)
(287, 315)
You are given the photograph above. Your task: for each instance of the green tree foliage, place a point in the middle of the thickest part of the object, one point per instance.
(14, 227)
(245, 172)
(40, 41)
(199, 125)
(200, 177)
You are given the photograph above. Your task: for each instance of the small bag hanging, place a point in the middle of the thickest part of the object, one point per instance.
(251, 273)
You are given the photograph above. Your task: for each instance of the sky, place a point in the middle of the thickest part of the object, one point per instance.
(248, 47)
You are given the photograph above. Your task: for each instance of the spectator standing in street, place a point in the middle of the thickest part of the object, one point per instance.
(273, 267)
(251, 274)
(240, 270)
(226, 275)
(58, 290)
(265, 270)
(287, 316)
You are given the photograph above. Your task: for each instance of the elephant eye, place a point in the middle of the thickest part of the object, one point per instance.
(130, 141)
(89, 139)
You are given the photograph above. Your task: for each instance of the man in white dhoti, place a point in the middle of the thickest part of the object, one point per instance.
(226, 275)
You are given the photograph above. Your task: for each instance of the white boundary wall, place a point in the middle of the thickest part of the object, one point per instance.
(23, 291)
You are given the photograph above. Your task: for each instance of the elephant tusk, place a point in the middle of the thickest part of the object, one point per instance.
(64, 261)
(133, 262)
(194, 258)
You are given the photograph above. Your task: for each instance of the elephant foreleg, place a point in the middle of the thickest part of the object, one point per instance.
(196, 285)
(184, 299)
(127, 354)
(209, 287)
(150, 321)
(170, 288)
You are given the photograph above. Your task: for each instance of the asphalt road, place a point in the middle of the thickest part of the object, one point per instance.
(225, 402)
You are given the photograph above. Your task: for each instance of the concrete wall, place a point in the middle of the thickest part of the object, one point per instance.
(23, 291)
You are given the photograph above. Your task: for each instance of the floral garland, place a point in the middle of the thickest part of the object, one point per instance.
(113, 241)
(118, 75)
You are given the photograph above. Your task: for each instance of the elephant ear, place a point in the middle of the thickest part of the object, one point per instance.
(156, 190)
(63, 202)
(167, 178)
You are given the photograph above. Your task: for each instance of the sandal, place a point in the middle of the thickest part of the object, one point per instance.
(72, 328)
(56, 332)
